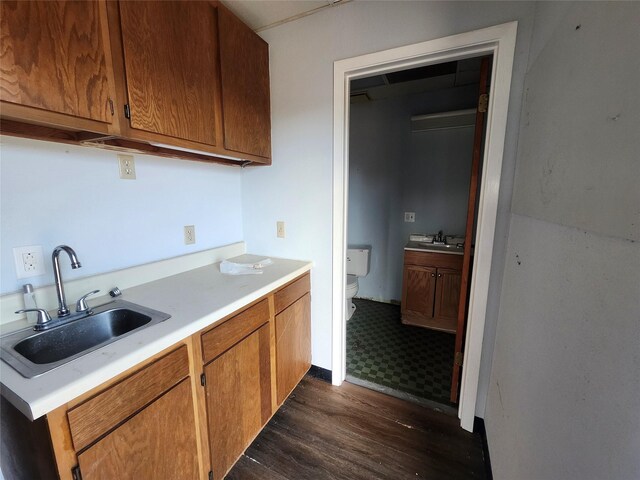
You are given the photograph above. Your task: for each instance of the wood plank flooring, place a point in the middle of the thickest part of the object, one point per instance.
(350, 432)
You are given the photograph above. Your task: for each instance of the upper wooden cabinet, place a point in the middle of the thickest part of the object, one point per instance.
(55, 63)
(173, 78)
(171, 69)
(244, 63)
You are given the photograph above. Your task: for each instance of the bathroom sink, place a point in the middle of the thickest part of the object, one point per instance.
(34, 353)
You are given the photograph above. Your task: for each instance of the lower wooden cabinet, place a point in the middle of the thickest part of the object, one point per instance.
(191, 411)
(238, 398)
(293, 345)
(431, 290)
(158, 442)
(141, 427)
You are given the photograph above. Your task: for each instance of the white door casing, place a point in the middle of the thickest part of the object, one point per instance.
(498, 41)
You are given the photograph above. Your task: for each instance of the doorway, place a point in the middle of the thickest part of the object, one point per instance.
(498, 41)
(412, 136)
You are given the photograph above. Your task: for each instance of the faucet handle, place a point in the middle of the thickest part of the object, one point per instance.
(43, 315)
(81, 304)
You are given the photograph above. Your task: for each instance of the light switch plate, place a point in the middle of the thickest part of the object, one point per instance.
(29, 261)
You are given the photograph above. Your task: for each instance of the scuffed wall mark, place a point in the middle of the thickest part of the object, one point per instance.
(500, 396)
(614, 117)
(518, 259)
(547, 185)
(578, 27)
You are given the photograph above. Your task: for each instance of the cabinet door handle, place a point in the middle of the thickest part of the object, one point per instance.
(433, 274)
(439, 275)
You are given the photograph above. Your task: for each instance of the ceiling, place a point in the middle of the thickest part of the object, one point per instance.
(263, 14)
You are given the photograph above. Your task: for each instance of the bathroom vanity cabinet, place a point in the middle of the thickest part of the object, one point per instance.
(190, 411)
(125, 75)
(431, 289)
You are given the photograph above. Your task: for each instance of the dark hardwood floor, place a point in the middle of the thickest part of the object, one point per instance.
(350, 432)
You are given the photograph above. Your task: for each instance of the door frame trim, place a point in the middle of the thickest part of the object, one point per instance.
(498, 41)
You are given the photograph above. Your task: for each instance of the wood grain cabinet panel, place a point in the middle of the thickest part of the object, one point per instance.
(107, 409)
(431, 290)
(244, 66)
(171, 67)
(55, 57)
(158, 442)
(293, 346)
(238, 397)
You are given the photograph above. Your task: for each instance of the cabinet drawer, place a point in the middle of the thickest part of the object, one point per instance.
(103, 412)
(430, 259)
(292, 292)
(222, 337)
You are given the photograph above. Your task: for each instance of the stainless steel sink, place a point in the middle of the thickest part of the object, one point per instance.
(34, 353)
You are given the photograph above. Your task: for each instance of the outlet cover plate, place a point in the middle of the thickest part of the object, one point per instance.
(189, 234)
(280, 229)
(29, 261)
(127, 166)
(410, 217)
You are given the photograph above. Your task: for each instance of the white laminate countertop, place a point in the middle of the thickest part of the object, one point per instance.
(195, 300)
(429, 247)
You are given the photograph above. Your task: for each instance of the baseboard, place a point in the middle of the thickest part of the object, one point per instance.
(320, 373)
(478, 426)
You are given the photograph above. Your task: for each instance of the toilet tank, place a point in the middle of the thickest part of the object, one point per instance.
(358, 261)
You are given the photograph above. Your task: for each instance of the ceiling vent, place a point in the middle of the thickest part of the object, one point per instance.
(443, 120)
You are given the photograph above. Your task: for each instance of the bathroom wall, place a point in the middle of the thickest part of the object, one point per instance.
(564, 394)
(55, 194)
(393, 170)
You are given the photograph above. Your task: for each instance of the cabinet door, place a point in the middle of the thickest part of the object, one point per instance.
(238, 393)
(244, 65)
(447, 293)
(54, 56)
(170, 60)
(418, 292)
(158, 442)
(293, 345)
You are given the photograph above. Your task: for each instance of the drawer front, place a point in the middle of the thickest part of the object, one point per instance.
(224, 336)
(103, 412)
(292, 292)
(430, 259)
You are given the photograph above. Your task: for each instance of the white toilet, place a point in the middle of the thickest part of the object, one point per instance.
(357, 266)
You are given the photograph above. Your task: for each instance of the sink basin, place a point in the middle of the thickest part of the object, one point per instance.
(34, 353)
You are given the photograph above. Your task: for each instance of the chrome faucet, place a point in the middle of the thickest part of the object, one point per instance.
(63, 310)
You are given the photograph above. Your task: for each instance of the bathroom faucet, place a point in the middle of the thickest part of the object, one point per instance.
(63, 310)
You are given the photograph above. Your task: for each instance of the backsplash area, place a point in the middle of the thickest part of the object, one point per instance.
(54, 194)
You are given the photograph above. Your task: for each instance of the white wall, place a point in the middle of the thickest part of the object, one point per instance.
(297, 188)
(565, 386)
(55, 194)
(392, 171)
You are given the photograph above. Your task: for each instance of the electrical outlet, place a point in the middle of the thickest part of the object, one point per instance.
(127, 167)
(409, 216)
(280, 229)
(189, 234)
(29, 261)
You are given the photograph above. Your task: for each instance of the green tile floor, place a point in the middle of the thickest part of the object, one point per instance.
(383, 351)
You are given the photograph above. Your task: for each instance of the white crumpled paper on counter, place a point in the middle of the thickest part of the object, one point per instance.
(255, 268)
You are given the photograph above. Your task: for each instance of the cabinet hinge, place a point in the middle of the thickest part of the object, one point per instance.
(210, 474)
(127, 111)
(203, 380)
(458, 359)
(75, 473)
(483, 102)
(111, 107)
